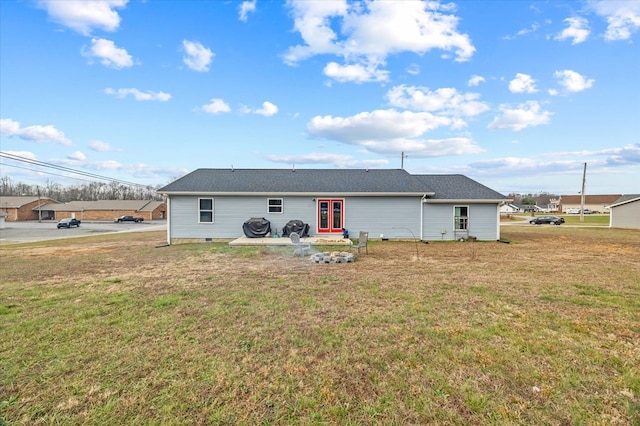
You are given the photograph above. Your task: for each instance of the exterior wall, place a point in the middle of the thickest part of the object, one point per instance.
(626, 215)
(439, 222)
(383, 217)
(376, 215)
(24, 212)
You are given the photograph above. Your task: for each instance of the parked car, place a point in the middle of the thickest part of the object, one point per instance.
(68, 223)
(128, 219)
(552, 220)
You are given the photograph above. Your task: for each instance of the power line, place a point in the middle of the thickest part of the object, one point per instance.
(15, 157)
(45, 172)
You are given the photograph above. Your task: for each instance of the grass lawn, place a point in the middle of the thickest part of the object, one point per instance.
(112, 330)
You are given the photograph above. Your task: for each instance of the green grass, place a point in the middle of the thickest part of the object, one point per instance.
(544, 330)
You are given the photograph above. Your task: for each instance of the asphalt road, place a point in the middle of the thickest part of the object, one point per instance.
(24, 232)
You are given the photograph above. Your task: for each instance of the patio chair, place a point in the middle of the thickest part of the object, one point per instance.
(303, 249)
(363, 239)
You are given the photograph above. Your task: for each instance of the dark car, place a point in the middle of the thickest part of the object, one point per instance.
(552, 220)
(68, 223)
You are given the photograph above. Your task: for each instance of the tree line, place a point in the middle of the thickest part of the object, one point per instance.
(92, 191)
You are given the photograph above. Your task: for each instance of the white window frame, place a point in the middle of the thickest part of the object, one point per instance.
(200, 210)
(456, 219)
(281, 206)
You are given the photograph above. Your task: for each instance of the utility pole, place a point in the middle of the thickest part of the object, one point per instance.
(584, 180)
(402, 157)
(39, 209)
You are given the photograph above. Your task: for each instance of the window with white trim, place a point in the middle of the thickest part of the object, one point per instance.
(461, 218)
(205, 210)
(275, 205)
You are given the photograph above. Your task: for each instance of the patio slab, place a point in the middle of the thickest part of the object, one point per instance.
(285, 241)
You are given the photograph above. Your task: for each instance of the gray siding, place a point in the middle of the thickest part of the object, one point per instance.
(391, 217)
(439, 218)
(376, 215)
(626, 215)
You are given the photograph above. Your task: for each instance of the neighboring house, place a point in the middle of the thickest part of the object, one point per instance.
(215, 203)
(625, 212)
(596, 203)
(106, 209)
(19, 208)
(509, 208)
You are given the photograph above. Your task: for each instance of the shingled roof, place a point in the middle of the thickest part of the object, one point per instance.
(387, 182)
(297, 181)
(458, 187)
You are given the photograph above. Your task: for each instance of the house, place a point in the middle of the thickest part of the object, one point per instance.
(625, 212)
(19, 208)
(215, 203)
(105, 209)
(509, 208)
(595, 203)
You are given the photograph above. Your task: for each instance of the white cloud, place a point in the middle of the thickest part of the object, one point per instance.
(77, 156)
(216, 106)
(475, 80)
(197, 57)
(370, 31)
(100, 146)
(357, 73)
(390, 131)
(446, 101)
(572, 81)
(337, 160)
(526, 115)
(83, 16)
(577, 30)
(245, 8)
(36, 133)
(268, 109)
(623, 17)
(523, 83)
(109, 54)
(24, 154)
(138, 95)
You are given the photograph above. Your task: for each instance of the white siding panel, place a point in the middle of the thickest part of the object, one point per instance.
(393, 217)
(438, 218)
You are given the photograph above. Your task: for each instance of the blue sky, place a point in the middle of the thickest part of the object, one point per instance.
(515, 94)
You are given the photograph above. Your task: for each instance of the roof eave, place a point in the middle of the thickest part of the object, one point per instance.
(301, 194)
(465, 200)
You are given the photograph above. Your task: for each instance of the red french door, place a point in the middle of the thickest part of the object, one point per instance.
(330, 216)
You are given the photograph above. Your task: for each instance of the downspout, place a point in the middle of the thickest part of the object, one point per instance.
(422, 217)
(168, 220)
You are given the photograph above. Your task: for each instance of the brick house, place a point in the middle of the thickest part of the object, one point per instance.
(106, 209)
(19, 208)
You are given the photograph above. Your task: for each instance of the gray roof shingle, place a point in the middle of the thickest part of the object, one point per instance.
(334, 181)
(310, 181)
(458, 187)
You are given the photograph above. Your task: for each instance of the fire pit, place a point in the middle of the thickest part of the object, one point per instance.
(333, 257)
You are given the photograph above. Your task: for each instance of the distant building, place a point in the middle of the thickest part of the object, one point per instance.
(106, 209)
(595, 203)
(19, 208)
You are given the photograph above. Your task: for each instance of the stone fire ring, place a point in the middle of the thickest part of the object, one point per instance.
(333, 257)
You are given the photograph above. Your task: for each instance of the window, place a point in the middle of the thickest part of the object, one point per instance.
(274, 205)
(205, 206)
(461, 217)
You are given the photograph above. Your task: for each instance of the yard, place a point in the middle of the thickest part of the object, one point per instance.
(115, 330)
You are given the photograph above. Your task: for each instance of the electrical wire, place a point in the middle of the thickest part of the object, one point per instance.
(15, 157)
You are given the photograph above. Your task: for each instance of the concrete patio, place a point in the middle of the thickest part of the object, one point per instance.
(328, 240)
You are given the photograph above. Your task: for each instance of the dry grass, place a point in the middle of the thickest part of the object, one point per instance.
(110, 329)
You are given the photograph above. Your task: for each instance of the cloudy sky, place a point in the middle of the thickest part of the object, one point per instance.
(518, 95)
